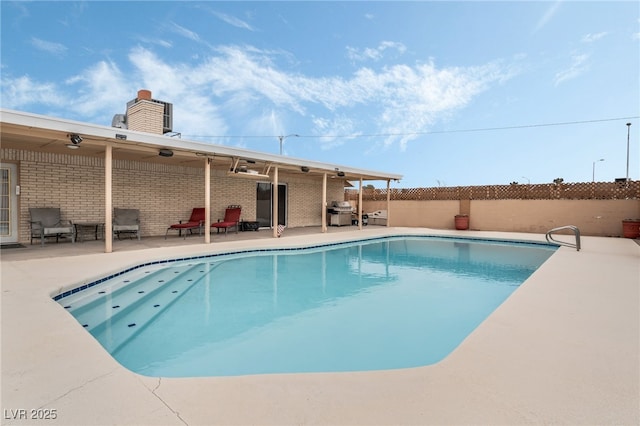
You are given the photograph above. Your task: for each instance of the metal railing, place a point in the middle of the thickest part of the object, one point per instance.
(575, 230)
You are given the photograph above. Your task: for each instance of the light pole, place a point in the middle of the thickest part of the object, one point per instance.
(528, 180)
(282, 138)
(628, 128)
(593, 176)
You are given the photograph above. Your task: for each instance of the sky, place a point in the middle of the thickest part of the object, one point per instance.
(445, 93)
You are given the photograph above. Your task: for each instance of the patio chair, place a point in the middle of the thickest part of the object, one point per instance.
(126, 221)
(231, 219)
(45, 222)
(196, 221)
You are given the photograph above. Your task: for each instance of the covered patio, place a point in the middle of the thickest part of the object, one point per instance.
(88, 170)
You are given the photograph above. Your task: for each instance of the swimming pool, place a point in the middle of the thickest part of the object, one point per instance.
(383, 303)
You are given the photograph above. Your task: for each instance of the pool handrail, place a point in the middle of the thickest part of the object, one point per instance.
(575, 230)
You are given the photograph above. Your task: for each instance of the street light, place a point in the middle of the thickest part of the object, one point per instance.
(528, 180)
(628, 128)
(593, 177)
(282, 138)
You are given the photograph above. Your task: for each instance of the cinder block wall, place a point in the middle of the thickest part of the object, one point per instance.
(592, 217)
(164, 194)
(428, 214)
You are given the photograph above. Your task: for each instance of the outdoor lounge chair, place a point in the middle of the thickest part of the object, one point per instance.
(126, 221)
(45, 222)
(196, 221)
(231, 219)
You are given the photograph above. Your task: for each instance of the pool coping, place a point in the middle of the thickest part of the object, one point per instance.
(562, 349)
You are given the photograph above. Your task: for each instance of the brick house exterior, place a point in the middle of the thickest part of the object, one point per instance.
(163, 194)
(164, 189)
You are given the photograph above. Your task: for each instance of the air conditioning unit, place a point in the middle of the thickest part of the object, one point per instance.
(167, 117)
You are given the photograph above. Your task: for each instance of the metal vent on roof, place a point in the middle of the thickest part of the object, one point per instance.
(119, 121)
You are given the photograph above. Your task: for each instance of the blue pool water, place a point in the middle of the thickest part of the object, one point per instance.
(376, 304)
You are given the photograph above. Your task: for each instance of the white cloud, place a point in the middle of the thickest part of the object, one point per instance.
(232, 20)
(156, 41)
(578, 66)
(332, 130)
(101, 88)
(548, 15)
(184, 32)
(242, 89)
(374, 53)
(590, 38)
(23, 91)
(194, 109)
(49, 47)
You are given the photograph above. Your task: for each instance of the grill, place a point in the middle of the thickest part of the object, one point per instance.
(340, 213)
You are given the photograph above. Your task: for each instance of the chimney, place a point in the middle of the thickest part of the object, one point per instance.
(144, 114)
(144, 94)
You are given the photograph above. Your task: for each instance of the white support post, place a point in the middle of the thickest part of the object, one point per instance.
(388, 203)
(108, 203)
(274, 196)
(324, 203)
(207, 201)
(360, 206)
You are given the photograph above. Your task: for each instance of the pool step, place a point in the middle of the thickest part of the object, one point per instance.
(131, 310)
(117, 331)
(142, 279)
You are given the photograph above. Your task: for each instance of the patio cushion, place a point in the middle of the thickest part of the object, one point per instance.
(195, 221)
(185, 225)
(126, 220)
(126, 216)
(127, 227)
(58, 230)
(231, 218)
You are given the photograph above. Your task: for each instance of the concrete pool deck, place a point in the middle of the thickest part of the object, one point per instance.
(564, 348)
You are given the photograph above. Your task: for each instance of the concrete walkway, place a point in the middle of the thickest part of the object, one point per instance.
(562, 349)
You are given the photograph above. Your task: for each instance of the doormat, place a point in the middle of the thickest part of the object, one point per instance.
(11, 246)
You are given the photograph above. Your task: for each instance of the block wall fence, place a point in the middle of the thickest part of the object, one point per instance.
(164, 194)
(601, 216)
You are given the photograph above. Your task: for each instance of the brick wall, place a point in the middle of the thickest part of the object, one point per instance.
(305, 199)
(164, 194)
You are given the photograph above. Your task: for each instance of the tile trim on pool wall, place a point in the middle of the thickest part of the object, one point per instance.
(63, 294)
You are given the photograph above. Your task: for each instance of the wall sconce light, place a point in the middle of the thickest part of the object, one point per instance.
(75, 141)
(165, 153)
(340, 174)
(304, 169)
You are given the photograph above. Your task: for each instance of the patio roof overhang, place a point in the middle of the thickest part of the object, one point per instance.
(26, 131)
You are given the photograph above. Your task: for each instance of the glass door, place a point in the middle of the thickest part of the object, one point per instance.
(264, 204)
(8, 203)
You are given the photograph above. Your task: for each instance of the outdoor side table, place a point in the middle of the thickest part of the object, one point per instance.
(249, 225)
(88, 227)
